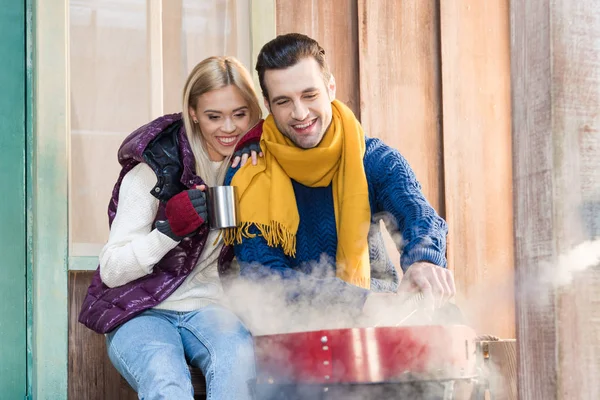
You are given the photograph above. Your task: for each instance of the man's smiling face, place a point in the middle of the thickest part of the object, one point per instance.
(300, 102)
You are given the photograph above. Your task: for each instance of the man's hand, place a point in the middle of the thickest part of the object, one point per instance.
(436, 283)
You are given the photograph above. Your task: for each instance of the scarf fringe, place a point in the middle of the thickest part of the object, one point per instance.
(362, 282)
(274, 233)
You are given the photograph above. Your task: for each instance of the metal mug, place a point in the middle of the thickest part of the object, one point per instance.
(222, 204)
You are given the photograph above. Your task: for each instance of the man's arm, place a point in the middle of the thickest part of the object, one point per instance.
(398, 193)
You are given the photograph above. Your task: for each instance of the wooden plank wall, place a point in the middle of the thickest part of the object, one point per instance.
(478, 159)
(400, 84)
(556, 95)
(91, 374)
(334, 25)
(433, 82)
(500, 367)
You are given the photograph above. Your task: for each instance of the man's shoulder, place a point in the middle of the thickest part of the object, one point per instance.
(383, 162)
(376, 151)
(374, 143)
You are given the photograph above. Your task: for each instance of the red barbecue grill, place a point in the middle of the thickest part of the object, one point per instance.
(413, 362)
(393, 362)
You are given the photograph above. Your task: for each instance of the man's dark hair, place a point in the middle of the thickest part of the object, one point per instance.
(287, 50)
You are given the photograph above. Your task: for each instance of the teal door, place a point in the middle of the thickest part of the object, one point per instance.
(13, 240)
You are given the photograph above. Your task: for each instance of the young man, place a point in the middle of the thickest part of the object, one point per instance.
(310, 208)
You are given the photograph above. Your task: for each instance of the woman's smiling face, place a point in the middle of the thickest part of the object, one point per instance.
(223, 115)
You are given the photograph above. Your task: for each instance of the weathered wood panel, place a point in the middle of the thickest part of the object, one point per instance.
(501, 365)
(400, 84)
(576, 146)
(91, 374)
(334, 25)
(556, 94)
(400, 88)
(477, 159)
(532, 153)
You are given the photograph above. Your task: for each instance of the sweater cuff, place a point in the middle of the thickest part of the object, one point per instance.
(164, 228)
(422, 254)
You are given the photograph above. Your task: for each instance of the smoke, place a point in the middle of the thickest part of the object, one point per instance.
(580, 258)
(539, 285)
(265, 308)
(263, 305)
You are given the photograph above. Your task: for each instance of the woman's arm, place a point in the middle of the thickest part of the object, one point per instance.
(134, 246)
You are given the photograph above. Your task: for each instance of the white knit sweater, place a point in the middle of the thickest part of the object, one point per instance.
(134, 246)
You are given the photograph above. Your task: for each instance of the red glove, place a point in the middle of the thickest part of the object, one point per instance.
(186, 211)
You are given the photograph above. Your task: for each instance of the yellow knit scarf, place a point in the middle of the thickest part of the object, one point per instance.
(267, 198)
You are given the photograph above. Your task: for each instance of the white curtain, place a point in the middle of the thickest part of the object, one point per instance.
(111, 78)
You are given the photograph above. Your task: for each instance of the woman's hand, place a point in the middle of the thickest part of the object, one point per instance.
(185, 212)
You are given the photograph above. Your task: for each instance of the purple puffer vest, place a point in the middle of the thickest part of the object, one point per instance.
(105, 308)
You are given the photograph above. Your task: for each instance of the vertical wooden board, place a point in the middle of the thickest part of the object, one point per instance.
(533, 221)
(556, 93)
(576, 161)
(578, 323)
(478, 159)
(13, 356)
(400, 84)
(91, 374)
(400, 88)
(334, 25)
(502, 369)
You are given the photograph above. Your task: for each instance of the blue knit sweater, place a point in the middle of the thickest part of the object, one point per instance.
(394, 195)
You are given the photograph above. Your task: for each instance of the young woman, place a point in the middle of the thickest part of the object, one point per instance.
(157, 294)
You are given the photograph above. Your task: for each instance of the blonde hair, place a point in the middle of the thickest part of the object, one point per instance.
(211, 74)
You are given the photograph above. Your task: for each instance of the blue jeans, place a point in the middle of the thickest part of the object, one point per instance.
(152, 352)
